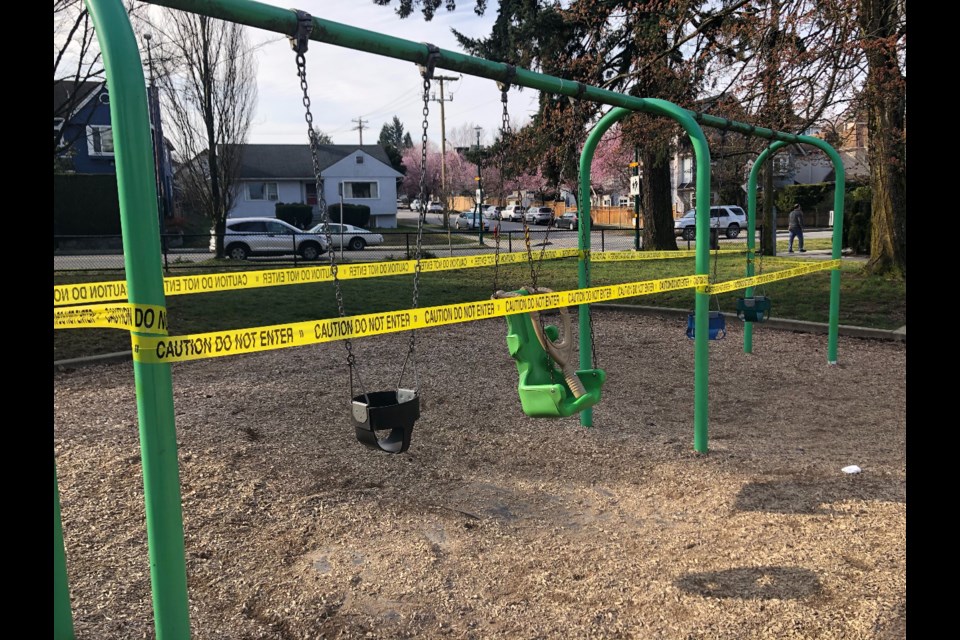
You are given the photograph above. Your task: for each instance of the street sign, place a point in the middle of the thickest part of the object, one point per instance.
(634, 185)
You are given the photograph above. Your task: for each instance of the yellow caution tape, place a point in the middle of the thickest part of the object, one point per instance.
(630, 254)
(280, 336)
(743, 283)
(68, 294)
(134, 317)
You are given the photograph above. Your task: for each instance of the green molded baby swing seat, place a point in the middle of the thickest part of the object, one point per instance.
(754, 309)
(548, 388)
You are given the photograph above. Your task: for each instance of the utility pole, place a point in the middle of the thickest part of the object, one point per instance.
(479, 195)
(360, 122)
(443, 145)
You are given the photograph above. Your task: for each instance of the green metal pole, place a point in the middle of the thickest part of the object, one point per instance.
(833, 329)
(636, 201)
(133, 155)
(752, 231)
(839, 188)
(702, 320)
(62, 617)
(701, 300)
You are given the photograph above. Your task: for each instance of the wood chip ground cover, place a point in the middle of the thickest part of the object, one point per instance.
(496, 525)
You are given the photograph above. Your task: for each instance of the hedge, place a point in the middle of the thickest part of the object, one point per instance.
(356, 214)
(85, 204)
(296, 213)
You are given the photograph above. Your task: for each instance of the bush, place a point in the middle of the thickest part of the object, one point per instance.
(296, 213)
(857, 210)
(85, 204)
(356, 214)
(807, 196)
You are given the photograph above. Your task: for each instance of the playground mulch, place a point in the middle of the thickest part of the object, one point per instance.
(496, 525)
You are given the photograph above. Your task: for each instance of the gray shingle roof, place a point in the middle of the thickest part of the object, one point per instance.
(294, 160)
(70, 93)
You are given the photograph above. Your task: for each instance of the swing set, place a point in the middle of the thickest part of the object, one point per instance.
(550, 384)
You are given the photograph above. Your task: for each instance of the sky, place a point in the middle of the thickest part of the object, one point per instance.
(346, 85)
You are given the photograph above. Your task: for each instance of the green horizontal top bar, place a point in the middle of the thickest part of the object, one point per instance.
(271, 18)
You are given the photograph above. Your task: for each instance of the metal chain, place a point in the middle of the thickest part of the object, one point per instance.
(412, 348)
(325, 218)
(505, 139)
(716, 252)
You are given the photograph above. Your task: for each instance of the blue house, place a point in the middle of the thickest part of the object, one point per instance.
(83, 140)
(83, 137)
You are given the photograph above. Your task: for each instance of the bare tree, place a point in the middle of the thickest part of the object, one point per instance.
(209, 89)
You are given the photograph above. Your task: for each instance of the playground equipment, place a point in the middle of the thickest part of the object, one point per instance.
(138, 215)
(549, 385)
(393, 411)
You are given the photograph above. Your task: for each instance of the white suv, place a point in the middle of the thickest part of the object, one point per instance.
(246, 237)
(728, 218)
(513, 213)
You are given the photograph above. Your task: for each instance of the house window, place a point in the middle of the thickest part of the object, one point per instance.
(359, 159)
(686, 169)
(262, 191)
(781, 164)
(99, 140)
(310, 192)
(360, 190)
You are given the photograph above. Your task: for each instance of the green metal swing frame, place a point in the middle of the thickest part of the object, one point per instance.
(144, 276)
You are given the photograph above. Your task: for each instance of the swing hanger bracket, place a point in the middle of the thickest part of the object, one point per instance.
(300, 40)
(504, 85)
(433, 55)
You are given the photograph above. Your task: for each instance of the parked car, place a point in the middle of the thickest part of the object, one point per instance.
(349, 236)
(470, 220)
(727, 218)
(434, 207)
(539, 215)
(402, 204)
(513, 213)
(246, 237)
(492, 212)
(569, 220)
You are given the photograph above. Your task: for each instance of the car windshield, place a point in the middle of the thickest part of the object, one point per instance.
(690, 214)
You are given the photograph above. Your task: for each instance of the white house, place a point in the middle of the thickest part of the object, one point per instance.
(272, 173)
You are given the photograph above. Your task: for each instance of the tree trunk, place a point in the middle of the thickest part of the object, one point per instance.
(885, 98)
(767, 217)
(657, 209)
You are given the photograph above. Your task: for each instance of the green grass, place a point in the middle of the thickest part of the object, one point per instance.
(865, 300)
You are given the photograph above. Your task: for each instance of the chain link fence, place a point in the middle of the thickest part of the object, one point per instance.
(186, 252)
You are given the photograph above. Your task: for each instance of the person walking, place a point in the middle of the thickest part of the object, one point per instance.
(795, 225)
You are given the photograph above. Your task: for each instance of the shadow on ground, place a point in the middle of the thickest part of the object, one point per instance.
(810, 496)
(754, 583)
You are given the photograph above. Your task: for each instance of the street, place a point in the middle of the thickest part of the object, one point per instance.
(511, 239)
